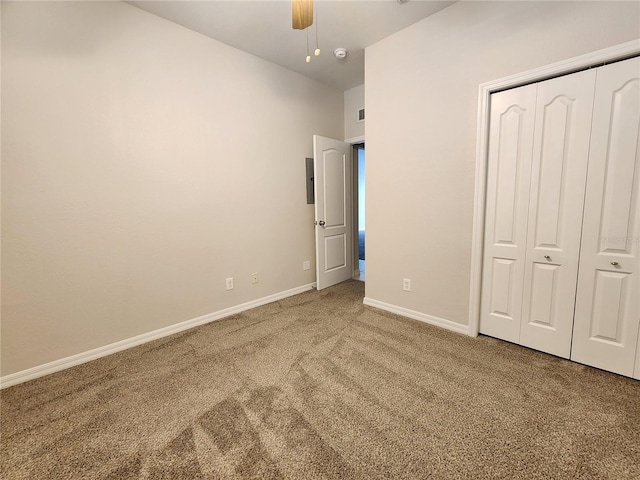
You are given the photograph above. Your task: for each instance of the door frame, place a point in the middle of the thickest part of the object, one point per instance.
(354, 142)
(355, 206)
(599, 57)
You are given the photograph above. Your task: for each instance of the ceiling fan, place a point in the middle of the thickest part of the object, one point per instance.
(301, 14)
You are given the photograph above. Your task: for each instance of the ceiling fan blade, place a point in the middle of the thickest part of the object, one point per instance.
(301, 14)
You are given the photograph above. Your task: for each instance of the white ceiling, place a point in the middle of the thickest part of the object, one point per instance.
(263, 28)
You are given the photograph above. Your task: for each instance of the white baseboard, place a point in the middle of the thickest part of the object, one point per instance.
(68, 362)
(423, 317)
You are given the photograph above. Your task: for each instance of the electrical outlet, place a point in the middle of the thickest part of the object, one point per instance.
(406, 284)
(306, 265)
(254, 277)
(230, 283)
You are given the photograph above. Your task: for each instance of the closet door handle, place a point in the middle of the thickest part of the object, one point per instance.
(614, 263)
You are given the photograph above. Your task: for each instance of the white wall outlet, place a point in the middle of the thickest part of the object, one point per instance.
(406, 284)
(306, 265)
(254, 277)
(230, 283)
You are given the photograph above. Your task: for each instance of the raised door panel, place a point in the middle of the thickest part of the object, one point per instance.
(335, 248)
(334, 164)
(508, 178)
(558, 176)
(607, 316)
(608, 306)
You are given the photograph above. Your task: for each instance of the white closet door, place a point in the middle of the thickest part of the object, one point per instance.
(508, 178)
(607, 304)
(558, 176)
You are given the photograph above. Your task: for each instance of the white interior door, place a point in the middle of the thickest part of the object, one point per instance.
(333, 205)
(508, 179)
(607, 314)
(558, 175)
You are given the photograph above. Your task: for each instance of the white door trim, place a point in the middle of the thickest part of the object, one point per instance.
(485, 90)
(354, 204)
(353, 140)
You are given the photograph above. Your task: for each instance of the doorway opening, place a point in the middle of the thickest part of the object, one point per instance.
(360, 208)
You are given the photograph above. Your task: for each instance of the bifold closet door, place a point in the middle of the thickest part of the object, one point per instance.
(607, 316)
(558, 175)
(508, 178)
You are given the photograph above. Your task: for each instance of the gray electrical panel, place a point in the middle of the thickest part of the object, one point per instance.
(310, 194)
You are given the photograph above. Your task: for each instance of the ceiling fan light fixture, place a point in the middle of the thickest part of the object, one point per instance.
(301, 14)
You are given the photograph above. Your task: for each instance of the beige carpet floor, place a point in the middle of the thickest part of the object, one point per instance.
(320, 386)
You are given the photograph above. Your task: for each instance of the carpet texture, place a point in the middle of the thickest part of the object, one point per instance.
(320, 386)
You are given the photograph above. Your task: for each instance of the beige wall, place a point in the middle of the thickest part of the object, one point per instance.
(353, 101)
(421, 104)
(142, 164)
